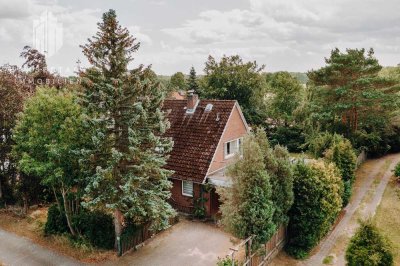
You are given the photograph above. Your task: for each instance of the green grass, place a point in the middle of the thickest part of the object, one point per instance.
(387, 217)
(328, 260)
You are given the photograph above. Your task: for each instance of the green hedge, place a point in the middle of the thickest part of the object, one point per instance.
(95, 227)
(56, 222)
(317, 203)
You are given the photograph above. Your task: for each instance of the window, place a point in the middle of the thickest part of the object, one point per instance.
(233, 147)
(187, 188)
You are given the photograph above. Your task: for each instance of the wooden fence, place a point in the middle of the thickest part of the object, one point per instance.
(133, 237)
(246, 256)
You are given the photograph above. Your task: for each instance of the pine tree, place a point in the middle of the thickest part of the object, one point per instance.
(192, 80)
(124, 108)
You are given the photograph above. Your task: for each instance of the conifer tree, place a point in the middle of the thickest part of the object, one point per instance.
(247, 208)
(192, 80)
(124, 108)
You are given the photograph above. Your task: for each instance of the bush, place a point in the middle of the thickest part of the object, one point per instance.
(56, 222)
(96, 227)
(227, 262)
(347, 192)
(318, 144)
(368, 247)
(397, 171)
(317, 202)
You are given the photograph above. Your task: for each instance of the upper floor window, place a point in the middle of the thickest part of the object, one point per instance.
(232, 147)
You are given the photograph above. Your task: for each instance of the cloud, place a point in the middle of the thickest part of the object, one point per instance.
(136, 31)
(296, 24)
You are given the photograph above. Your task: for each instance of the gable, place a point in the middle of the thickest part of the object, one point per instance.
(236, 128)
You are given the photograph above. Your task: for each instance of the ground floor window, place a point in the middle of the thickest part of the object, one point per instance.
(187, 188)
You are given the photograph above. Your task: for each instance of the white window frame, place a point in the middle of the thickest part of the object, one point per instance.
(239, 142)
(187, 194)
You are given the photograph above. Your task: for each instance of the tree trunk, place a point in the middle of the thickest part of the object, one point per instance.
(67, 213)
(26, 206)
(1, 191)
(118, 219)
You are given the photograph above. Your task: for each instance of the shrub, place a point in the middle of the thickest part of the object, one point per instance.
(56, 222)
(397, 171)
(347, 192)
(227, 262)
(342, 154)
(317, 202)
(368, 247)
(318, 144)
(96, 227)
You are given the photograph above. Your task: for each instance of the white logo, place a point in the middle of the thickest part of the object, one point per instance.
(47, 34)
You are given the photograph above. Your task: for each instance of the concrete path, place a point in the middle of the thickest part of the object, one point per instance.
(186, 243)
(19, 251)
(375, 172)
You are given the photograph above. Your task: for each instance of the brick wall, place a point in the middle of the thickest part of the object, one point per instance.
(235, 129)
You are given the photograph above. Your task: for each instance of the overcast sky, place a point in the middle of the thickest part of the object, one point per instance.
(293, 35)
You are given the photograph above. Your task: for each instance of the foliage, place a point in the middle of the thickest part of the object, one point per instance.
(341, 153)
(279, 169)
(351, 98)
(192, 81)
(247, 206)
(178, 82)
(338, 150)
(284, 96)
(13, 92)
(318, 144)
(233, 79)
(96, 227)
(317, 202)
(227, 262)
(369, 247)
(397, 171)
(125, 167)
(292, 137)
(48, 136)
(56, 222)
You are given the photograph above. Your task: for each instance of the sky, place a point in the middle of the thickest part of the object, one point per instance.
(292, 35)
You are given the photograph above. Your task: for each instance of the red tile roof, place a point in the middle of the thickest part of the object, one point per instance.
(196, 136)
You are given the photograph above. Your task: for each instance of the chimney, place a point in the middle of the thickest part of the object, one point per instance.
(192, 101)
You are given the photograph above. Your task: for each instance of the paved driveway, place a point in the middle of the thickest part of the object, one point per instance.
(19, 251)
(186, 243)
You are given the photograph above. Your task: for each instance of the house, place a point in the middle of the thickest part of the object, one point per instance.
(207, 135)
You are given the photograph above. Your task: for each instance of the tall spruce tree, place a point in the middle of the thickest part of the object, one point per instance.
(192, 80)
(124, 108)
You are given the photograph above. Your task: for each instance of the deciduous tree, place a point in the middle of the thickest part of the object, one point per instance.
(48, 137)
(233, 79)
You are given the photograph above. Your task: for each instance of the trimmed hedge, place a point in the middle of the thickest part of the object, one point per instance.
(317, 203)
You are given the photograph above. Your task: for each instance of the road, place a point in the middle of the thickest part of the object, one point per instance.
(19, 251)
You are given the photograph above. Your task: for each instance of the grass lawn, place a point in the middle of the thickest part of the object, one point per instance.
(32, 227)
(387, 217)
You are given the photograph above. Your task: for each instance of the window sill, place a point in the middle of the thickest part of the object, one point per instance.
(187, 195)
